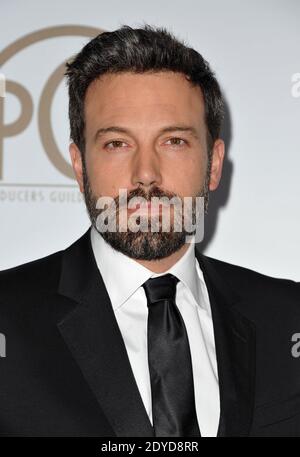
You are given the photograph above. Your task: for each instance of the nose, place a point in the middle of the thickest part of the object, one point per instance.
(146, 170)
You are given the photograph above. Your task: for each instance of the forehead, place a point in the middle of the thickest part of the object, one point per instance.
(146, 96)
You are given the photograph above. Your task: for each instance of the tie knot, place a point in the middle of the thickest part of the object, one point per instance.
(160, 288)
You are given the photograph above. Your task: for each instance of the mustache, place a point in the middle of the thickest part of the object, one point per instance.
(153, 192)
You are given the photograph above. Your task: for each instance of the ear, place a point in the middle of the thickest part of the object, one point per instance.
(218, 153)
(76, 159)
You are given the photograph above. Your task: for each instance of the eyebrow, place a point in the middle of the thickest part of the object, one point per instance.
(171, 128)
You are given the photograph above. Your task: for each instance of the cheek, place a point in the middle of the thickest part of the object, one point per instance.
(189, 177)
(97, 174)
(105, 177)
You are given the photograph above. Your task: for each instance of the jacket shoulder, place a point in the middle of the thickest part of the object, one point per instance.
(34, 277)
(233, 271)
(256, 288)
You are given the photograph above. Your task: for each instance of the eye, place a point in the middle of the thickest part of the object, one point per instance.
(176, 141)
(114, 144)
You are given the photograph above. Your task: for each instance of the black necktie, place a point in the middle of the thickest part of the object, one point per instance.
(170, 365)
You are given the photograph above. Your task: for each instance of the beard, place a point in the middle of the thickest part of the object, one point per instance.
(145, 245)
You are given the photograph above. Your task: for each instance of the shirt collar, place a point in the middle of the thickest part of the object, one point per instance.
(122, 275)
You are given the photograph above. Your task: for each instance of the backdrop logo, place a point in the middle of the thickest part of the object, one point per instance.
(2, 85)
(43, 110)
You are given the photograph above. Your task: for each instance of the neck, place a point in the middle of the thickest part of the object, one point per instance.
(162, 265)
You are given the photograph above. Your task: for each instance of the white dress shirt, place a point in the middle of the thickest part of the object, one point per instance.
(123, 278)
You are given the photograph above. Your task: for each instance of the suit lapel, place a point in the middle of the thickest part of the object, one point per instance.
(92, 334)
(235, 352)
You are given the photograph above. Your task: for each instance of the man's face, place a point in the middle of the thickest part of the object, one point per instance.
(157, 147)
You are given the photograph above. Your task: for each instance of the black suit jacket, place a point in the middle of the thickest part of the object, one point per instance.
(67, 373)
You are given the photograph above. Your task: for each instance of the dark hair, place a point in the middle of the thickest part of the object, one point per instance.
(140, 50)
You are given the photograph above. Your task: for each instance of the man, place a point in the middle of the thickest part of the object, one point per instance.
(137, 333)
